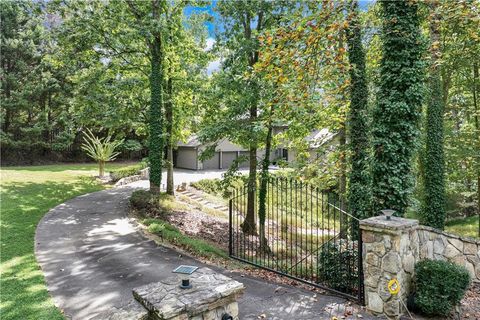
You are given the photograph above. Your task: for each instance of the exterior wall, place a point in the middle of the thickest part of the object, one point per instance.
(226, 145)
(392, 247)
(187, 158)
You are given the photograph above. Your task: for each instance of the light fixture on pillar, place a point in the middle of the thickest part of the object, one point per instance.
(388, 213)
(185, 272)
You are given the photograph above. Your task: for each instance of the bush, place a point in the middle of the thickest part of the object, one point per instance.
(132, 170)
(440, 285)
(143, 200)
(338, 265)
(148, 204)
(212, 186)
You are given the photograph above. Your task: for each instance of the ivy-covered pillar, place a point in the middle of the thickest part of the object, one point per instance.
(390, 250)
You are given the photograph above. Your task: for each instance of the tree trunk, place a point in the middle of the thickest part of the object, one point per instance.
(155, 152)
(434, 204)
(477, 130)
(262, 197)
(342, 187)
(101, 168)
(359, 193)
(169, 132)
(248, 226)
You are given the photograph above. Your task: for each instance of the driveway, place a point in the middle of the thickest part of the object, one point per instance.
(92, 256)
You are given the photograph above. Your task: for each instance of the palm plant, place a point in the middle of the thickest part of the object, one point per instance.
(100, 149)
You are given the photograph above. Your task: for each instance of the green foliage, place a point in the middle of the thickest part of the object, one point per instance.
(100, 149)
(156, 138)
(440, 285)
(176, 237)
(466, 227)
(397, 111)
(359, 193)
(433, 210)
(212, 186)
(131, 145)
(220, 187)
(118, 174)
(337, 265)
(143, 201)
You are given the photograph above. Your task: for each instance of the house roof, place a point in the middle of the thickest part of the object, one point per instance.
(319, 137)
(192, 141)
(316, 139)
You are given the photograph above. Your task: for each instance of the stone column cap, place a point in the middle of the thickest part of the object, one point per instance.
(394, 224)
(209, 289)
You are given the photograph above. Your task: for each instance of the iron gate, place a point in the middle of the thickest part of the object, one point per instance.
(308, 236)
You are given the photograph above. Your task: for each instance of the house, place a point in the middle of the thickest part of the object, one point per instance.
(187, 154)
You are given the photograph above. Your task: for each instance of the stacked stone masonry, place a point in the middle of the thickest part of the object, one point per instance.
(212, 295)
(392, 247)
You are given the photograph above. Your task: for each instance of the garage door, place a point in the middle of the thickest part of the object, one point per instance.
(228, 158)
(186, 158)
(213, 162)
(244, 164)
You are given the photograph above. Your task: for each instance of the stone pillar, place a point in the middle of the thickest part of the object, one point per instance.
(390, 249)
(211, 297)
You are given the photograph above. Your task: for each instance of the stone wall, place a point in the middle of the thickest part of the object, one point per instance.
(392, 247)
(144, 174)
(438, 245)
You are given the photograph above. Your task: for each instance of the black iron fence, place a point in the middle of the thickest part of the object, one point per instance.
(308, 236)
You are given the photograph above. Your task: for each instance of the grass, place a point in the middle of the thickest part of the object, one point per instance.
(467, 227)
(173, 235)
(27, 193)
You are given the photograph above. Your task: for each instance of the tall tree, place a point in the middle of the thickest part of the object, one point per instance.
(397, 112)
(433, 211)
(359, 194)
(243, 22)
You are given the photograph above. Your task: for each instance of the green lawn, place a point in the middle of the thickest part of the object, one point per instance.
(27, 193)
(467, 227)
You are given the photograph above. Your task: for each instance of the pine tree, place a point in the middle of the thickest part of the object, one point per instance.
(397, 112)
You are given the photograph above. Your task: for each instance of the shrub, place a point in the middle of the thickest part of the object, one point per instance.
(212, 186)
(143, 200)
(154, 205)
(338, 265)
(132, 170)
(440, 285)
(100, 149)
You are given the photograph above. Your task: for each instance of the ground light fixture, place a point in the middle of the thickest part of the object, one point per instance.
(185, 272)
(388, 213)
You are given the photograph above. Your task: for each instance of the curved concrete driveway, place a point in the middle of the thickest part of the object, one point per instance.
(92, 257)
